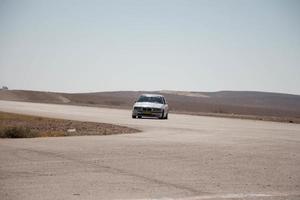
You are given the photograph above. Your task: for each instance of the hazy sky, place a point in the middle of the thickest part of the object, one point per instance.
(82, 46)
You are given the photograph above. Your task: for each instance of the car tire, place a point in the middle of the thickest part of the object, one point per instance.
(139, 117)
(133, 117)
(167, 116)
(162, 115)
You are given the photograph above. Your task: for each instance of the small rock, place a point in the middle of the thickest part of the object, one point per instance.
(71, 130)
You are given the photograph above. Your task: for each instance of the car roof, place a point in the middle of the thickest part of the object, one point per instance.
(152, 95)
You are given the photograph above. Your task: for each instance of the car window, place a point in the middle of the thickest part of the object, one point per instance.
(151, 99)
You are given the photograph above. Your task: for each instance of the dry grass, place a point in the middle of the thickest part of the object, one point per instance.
(25, 126)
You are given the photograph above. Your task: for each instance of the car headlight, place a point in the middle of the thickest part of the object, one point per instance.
(137, 108)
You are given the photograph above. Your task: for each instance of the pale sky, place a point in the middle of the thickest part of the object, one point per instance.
(200, 45)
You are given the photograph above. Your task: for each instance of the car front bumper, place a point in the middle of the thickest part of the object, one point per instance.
(147, 113)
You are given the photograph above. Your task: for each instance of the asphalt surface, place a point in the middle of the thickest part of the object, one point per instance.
(185, 157)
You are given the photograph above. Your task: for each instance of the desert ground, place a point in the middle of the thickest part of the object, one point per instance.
(232, 104)
(186, 157)
(26, 126)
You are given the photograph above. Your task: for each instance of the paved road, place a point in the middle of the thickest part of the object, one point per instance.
(185, 157)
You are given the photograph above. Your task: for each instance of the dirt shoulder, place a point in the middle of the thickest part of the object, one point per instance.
(246, 117)
(25, 126)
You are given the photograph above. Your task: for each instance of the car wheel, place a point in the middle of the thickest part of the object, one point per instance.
(139, 117)
(167, 116)
(133, 116)
(162, 115)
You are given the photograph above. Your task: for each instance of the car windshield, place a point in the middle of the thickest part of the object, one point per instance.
(150, 99)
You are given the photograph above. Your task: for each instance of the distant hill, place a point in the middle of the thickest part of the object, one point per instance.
(222, 103)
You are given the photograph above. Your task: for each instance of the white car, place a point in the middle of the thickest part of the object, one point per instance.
(151, 105)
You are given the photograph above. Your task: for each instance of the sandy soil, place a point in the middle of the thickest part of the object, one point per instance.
(32, 126)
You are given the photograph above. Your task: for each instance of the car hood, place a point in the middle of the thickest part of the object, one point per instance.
(148, 105)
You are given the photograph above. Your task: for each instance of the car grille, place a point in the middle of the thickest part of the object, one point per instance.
(147, 109)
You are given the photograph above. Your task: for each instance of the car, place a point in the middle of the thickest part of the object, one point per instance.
(151, 105)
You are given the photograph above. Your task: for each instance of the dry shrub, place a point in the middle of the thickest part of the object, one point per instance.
(17, 132)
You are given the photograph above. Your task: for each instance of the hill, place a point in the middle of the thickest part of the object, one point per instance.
(258, 105)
